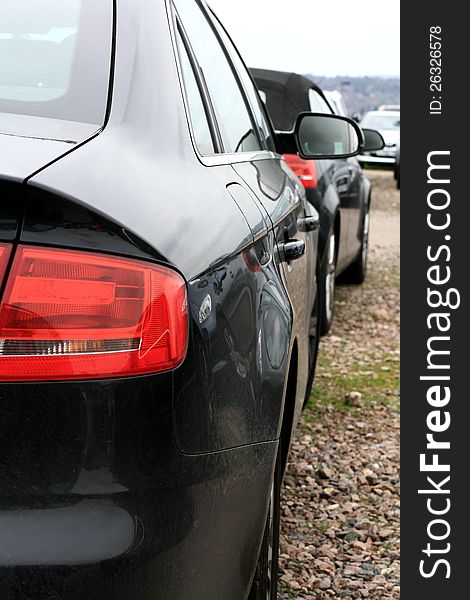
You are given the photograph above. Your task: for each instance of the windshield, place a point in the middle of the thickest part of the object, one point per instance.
(55, 58)
(381, 121)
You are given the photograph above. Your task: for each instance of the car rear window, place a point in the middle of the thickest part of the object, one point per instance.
(55, 58)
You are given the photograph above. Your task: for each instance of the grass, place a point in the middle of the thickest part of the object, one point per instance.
(378, 382)
(288, 593)
(340, 294)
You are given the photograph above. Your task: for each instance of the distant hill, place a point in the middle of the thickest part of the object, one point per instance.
(362, 93)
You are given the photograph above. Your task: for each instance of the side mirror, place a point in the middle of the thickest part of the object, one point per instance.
(372, 140)
(356, 117)
(327, 136)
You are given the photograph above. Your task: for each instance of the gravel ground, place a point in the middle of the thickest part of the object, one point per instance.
(341, 498)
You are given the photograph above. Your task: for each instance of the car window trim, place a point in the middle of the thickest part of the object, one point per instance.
(112, 67)
(177, 29)
(201, 85)
(238, 157)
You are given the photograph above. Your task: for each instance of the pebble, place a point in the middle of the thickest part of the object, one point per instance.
(325, 473)
(353, 399)
(325, 583)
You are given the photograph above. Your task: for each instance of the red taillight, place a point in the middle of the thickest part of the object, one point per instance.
(304, 169)
(78, 315)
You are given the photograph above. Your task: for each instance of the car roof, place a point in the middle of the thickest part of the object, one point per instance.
(288, 95)
(286, 78)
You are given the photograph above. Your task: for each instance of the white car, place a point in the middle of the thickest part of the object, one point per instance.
(387, 122)
(395, 107)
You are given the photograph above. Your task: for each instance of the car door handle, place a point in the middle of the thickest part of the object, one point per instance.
(309, 223)
(292, 250)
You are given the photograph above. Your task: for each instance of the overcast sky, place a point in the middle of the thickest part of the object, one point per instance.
(323, 37)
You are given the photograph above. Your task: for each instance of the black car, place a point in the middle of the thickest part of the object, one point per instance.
(336, 188)
(158, 316)
(396, 169)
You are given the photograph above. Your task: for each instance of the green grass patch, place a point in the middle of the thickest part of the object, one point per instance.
(283, 589)
(340, 294)
(377, 382)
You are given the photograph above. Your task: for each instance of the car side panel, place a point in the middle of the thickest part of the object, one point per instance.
(356, 206)
(365, 191)
(326, 200)
(232, 382)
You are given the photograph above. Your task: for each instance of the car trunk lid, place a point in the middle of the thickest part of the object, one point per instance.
(27, 144)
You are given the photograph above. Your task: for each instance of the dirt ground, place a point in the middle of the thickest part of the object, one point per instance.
(341, 498)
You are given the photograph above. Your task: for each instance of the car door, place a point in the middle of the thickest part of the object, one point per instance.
(283, 199)
(244, 315)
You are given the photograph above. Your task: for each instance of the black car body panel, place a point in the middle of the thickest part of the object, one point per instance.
(56, 221)
(235, 372)
(157, 486)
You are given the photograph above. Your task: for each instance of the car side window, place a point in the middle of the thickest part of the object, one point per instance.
(196, 109)
(317, 103)
(233, 116)
(250, 89)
